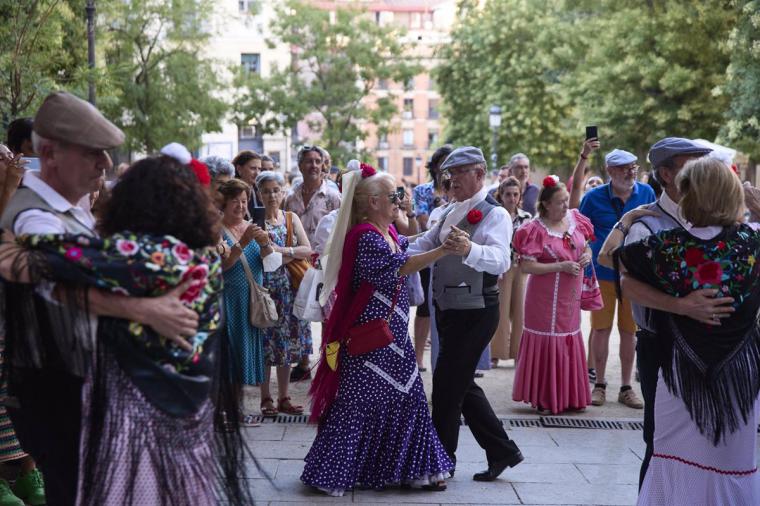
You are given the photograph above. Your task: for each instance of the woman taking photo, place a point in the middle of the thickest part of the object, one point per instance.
(706, 404)
(243, 241)
(375, 429)
(553, 249)
(506, 340)
(289, 337)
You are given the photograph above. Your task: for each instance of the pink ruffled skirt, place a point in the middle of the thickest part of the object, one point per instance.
(551, 372)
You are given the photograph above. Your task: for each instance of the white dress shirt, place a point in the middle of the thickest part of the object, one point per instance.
(490, 244)
(639, 231)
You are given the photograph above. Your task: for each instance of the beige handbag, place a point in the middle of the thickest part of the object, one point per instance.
(261, 309)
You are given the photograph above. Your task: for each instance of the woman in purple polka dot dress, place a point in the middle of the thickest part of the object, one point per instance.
(375, 428)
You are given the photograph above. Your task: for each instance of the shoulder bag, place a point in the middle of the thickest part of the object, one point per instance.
(374, 334)
(261, 309)
(298, 266)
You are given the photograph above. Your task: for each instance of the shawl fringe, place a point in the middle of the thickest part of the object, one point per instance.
(720, 398)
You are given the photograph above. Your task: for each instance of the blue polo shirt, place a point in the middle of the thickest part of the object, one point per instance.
(604, 210)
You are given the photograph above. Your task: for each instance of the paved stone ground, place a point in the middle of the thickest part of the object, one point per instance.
(561, 466)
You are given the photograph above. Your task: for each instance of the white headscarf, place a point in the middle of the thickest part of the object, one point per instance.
(333, 257)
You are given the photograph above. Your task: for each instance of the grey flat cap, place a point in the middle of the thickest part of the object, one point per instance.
(618, 157)
(669, 147)
(64, 117)
(466, 155)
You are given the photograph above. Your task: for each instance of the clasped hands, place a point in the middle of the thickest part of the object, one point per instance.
(457, 242)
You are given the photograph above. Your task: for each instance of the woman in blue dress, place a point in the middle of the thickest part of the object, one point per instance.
(243, 241)
(375, 428)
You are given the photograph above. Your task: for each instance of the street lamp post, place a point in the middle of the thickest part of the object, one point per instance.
(494, 121)
(90, 9)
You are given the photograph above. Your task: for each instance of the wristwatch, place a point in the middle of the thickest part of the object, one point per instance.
(619, 226)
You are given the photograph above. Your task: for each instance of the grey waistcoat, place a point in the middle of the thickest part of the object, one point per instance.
(457, 286)
(642, 315)
(26, 199)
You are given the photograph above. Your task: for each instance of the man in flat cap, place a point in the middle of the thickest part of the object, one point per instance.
(466, 298)
(604, 206)
(45, 403)
(667, 157)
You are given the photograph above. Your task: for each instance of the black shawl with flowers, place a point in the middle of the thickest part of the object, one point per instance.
(179, 383)
(714, 369)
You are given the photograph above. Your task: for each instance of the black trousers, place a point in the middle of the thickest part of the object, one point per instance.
(463, 335)
(47, 423)
(647, 364)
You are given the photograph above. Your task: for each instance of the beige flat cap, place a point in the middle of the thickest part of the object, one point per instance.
(64, 117)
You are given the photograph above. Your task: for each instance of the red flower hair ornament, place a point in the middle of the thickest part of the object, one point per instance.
(550, 181)
(474, 216)
(367, 170)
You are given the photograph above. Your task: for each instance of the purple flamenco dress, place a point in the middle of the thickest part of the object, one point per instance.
(378, 431)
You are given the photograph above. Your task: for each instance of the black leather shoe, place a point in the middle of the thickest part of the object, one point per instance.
(495, 469)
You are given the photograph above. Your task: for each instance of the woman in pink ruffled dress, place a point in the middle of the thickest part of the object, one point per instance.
(553, 248)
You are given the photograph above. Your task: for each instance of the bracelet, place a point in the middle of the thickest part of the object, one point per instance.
(619, 226)
(291, 252)
(584, 157)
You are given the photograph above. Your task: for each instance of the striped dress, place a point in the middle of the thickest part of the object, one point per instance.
(10, 448)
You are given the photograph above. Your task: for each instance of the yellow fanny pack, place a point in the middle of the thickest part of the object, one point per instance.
(331, 354)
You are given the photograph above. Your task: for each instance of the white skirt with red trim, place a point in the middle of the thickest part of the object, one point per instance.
(687, 469)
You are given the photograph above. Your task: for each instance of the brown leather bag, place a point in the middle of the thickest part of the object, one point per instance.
(298, 266)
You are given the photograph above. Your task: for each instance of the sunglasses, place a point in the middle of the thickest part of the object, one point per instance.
(397, 196)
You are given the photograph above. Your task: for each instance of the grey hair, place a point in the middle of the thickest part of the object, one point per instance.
(218, 166)
(37, 142)
(516, 157)
(307, 149)
(269, 175)
(323, 152)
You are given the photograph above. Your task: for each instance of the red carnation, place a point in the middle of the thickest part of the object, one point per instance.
(201, 172)
(474, 216)
(694, 257)
(549, 181)
(367, 170)
(709, 273)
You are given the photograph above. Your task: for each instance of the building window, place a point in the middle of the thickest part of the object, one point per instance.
(409, 84)
(432, 138)
(382, 141)
(275, 156)
(408, 166)
(247, 132)
(250, 62)
(382, 163)
(408, 108)
(408, 138)
(382, 84)
(248, 6)
(431, 83)
(433, 109)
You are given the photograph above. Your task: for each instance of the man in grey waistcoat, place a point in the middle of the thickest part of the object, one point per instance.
(45, 398)
(667, 157)
(466, 297)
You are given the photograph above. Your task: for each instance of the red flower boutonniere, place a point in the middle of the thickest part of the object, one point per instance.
(367, 170)
(474, 216)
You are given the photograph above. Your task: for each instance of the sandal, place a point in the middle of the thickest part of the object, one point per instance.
(438, 486)
(285, 406)
(267, 407)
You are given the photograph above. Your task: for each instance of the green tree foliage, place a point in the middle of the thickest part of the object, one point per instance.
(160, 87)
(653, 69)
(338, 58)
(743, 118)
(40, 46)
(638, 70)
(507, 53)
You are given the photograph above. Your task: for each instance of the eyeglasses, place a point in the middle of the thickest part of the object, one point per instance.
(627, 168)
(457, 171)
